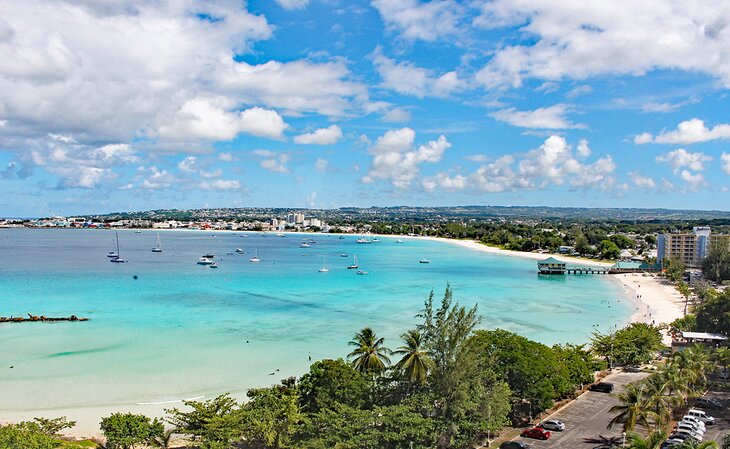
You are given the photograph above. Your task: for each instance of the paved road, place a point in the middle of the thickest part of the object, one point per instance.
(587, 416)
(722, 417)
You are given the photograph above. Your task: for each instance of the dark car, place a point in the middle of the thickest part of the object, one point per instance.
(514, 445)
(537, 433)
(602, 387)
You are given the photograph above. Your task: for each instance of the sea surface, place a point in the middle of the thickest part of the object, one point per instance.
(163, 328)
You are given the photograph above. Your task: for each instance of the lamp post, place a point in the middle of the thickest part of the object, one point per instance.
(623, 442)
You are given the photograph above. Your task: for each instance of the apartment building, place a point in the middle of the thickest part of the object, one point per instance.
(690, 248)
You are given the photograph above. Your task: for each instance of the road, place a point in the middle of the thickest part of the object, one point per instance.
(586, 417)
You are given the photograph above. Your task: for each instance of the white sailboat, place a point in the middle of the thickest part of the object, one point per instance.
(117, 259)
(324, 268)
(158, 247)
(255, 258)
(354, 265)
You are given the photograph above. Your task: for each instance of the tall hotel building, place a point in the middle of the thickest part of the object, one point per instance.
(690, 248)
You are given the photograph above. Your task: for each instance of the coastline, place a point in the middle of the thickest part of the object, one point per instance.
(652, 297)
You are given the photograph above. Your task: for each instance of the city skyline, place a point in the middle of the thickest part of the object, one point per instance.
(325, 104)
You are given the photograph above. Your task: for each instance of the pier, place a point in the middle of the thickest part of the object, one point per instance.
(552, 265)
(39, 319)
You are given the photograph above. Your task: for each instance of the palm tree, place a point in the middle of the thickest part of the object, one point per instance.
(660, 404)
(690, 444)
(369, 355)
(653, 441)
(415, 363)
(633, 409)
(686, 292)
(722, 358)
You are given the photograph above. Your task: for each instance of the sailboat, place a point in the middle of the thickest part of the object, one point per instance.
(158, 248)
(255, 258)
(117, 259)
(113, 252)
(354, 265)
(324, 268)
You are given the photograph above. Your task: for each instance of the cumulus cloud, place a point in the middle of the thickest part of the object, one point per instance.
(293, 4)
(408, 79)
(396, 115)
(563, 39)
(725, 162)
(226, 157)
(642, 182)
(680, 158)
(220, 184)
(321, 136)
(427, 21)
(552, 117)
(275, 162)
(155, 179)
(396, 160)
(553, 163)
(687, 132)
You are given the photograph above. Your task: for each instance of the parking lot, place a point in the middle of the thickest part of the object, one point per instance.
(586, 417)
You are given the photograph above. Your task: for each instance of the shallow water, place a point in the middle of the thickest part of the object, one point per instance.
(181, 330)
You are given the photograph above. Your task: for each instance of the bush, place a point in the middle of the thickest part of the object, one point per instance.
(126, 430)
(25, 435)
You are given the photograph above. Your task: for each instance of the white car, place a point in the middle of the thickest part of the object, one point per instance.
(690, 426)
(702, 416)
(552, 424)
(693, 420)
(689, 433)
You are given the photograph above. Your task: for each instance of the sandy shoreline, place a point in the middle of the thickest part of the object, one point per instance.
(654, 300)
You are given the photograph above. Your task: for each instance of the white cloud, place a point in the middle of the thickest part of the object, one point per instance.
(643, 182)
(477, 157)
(312, 200)
(293, 4)
(693, 181)
(687, 132)
(725, 162)
(583, 149)
(275, 162)
(263, 123)
(226, 157)
(553, 163)
(681, 158)
(396, 160)
(321, 165)
(220, 184)
(156, 179)
(416, 20)
(396, 115)
(552, 117)
(321, 136)
(408, 79)
(578, 40)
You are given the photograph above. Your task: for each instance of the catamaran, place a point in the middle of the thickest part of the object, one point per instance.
(158, 248)
(324, 268)
(354, 265)
(117, 259)
(255, 258)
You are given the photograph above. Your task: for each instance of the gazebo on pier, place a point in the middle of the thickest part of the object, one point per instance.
(551, 265)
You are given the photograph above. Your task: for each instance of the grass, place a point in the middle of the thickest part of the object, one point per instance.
(85, 444)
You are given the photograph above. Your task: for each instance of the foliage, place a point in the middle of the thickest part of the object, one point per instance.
(579, 362)
(25, 435)
(632, 410)
(416, 363)
(54, 426)
(332, 381)
(216, 423)
(714, 315)
(674, 268)
(632, 345)
(716, 266)
(725, 444)
(652, 441)
(370, 356)
(622, 242)
(609, 250)
(127, 430)
(685, 323)
(270, 416)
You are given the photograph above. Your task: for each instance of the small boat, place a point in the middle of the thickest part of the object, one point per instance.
(213, 265)
(280, 234)
(324, 268)
(343, 255)
(255, 258)
(117, 259)
(304, 245)
(362, 272)
(342, 237)
(363, 241)
(209, 256)
(399, 241)
(158, 247)
(239, 250)
(424, 261)
(112, 253)
(204, 261)
(137, 231)
(354, 265)
(375, 240)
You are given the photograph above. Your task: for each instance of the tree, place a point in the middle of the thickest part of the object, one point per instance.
(370, 356)
(332, 381)
(579, 363)
(271, 416)
(725, 441)
(127, 430)
(25, 435)
(714, 315)
(722, 358)
(685, 291)
(716, 265)
(216, 423)
(632, 410)
(609, 250)
(652, 441)
(52, 427)
(632, 345)
(622, 241)
(661, 404)
(415, 363)
(581, 245)
(674, 268)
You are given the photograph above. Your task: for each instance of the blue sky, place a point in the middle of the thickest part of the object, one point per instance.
(121, 105)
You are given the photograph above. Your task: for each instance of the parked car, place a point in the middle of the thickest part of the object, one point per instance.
(708, 403)
(696, 435)
(514, 445)
(701, 415)
(632, 369)
(694, 420)
(602, 387)
(537, 433)
(552, 424)
(683, 425)
(681, 437)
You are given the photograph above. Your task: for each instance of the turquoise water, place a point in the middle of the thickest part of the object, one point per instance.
(181, 330)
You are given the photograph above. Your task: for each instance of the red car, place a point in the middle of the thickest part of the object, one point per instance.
(537, 433)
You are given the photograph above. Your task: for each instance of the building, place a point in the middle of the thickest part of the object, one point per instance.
(690, 248)
(551, 265)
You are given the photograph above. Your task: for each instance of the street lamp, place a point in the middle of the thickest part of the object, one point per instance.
(623, 442)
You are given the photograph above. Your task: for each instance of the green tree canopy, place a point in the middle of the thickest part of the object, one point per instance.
(333, 381)
(216, 423)
(634, 344)
(270, 416)
(25, 435)
(127, 430)
(716, 265)
(370, 355)
(714, 314)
